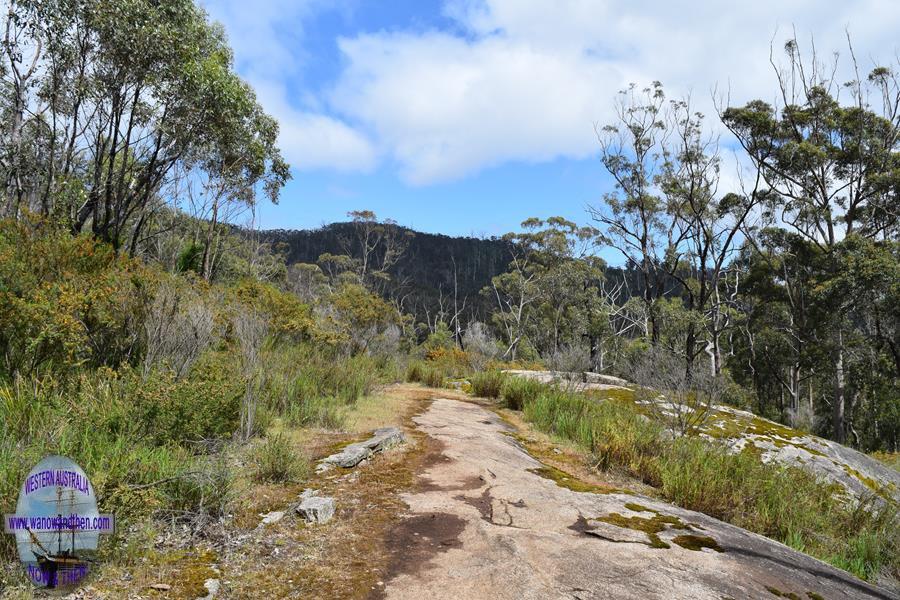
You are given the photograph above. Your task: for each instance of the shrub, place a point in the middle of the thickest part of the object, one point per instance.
(433, 378)
(487, 384)
(480, 345)
(201, 494)
(415, 372)
(204, 406)
(66, 301)
(276, 461)
(178, 327)
(516, 391)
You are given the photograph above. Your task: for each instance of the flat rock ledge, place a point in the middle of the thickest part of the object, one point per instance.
(352, 455)
(580, 380)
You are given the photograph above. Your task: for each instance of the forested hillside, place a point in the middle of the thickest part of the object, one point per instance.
(431, 272)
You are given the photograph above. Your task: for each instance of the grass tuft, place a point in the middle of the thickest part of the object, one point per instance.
(487, 384)
(517, 390)
(276, 461)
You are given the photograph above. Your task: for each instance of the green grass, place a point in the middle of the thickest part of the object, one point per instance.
(487, 384)
(786, 504)
(313, 387)
(276, 461)
(433, 377)
(517, 390)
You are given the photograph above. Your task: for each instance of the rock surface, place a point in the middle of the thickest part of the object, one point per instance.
(272, 517)
(580, 381)
(316, 509)
(212, 589)
(352, 455)
(861, 475)
(485, 524)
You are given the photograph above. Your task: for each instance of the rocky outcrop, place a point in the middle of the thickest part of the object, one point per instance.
(580, 380)
(353, 454)
(487, 522)
(860, 475)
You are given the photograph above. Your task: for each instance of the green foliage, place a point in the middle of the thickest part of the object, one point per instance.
(288, 318)
(190, 259)
(317, 411)
(517, 391)
(276, 461)
(433, 377)
(66, 301)
(360, 316)
(487, 384)
(415, 371)
(439, 339)
(314, 385)
(203, 406)
(174, 83)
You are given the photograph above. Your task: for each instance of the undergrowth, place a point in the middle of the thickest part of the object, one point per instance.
(784, 503)
(276, 461)
(487, 384)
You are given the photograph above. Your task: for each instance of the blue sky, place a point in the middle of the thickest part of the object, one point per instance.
(468, 116)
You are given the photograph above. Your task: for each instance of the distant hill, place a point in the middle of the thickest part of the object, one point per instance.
(425, 271)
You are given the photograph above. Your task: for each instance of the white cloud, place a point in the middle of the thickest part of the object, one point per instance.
(531, 77)
(444, 107)
(521, 80)
(267, 39)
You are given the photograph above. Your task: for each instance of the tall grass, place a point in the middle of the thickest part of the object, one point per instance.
(276, 461)
(427, 373)
(487, 384)
(310, 386)
(516, 390)
(783, 503)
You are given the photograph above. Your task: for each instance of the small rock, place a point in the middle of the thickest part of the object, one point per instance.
(273, 517)
(161, 587)
(316, 509)
(212, 587)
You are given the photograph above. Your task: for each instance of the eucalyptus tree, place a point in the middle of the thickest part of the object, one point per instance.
(831, 166)
(669, 220)
(114, 96)
(550, 271)
(634, 216)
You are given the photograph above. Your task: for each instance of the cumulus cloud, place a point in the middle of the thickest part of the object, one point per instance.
(267, 39)
(445, 107)
(526, 80)
(523, 80)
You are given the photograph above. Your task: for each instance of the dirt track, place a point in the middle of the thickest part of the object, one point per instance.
(483, 523)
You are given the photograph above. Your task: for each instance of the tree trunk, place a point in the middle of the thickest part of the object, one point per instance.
(838, 406)
(207, 246)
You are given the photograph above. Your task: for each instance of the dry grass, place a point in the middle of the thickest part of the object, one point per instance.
(566, 456)
(377, 410)
(347, 557)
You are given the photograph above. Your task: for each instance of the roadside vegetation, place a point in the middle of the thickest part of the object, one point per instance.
(784, 503)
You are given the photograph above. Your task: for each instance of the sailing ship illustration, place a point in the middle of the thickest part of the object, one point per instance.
(64, 566)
